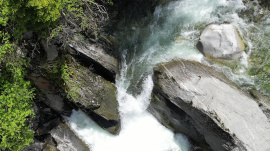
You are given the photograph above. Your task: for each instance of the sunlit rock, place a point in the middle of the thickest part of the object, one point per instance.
(214, 107)
(221, 41)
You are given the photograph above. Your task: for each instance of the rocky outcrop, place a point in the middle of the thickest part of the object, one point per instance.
(96, 97)
(53, 99)
(221, 41)
(67, 140)
(104, 64)
(227, 118)
(73, 84)
(45, 119)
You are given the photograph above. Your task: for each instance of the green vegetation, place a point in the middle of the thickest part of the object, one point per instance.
(15, 93)
(61, 71)
(16, 17)
(80, 17)
(33, 15)
(53, 18)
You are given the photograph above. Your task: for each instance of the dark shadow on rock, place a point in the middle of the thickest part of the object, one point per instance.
(110, 125)
(96, 67)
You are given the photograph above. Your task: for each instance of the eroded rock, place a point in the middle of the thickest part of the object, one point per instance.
(221, 41)
(227, 118)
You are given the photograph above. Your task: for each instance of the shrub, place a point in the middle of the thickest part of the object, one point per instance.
(15, 96)
(30, 14)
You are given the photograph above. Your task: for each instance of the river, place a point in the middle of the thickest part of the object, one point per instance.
(172, 31)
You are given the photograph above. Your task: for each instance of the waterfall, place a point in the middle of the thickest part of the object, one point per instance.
(172, 31)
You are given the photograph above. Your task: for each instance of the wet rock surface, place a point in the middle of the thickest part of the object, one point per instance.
(221, 41)
(228, 118)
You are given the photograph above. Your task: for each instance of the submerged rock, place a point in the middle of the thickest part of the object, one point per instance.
(207, 103)
(221, 41)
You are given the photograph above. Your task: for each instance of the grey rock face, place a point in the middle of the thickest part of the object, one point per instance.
(226, 117)
(67, 140)
(221, 41)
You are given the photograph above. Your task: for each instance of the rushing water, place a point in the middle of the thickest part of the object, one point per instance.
(172, 31)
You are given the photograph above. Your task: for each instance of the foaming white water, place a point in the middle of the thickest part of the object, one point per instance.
(140, 130)
(172, 33)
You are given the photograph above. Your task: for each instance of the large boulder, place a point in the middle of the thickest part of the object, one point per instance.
(95, 96)
(221, 41)
(226, 117)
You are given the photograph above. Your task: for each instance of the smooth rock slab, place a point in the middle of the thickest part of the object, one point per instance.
(226, 117)
(221, 41)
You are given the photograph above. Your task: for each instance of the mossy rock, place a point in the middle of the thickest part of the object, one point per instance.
(94, 95)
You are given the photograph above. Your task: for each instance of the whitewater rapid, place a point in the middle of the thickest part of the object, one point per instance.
(173, 32)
